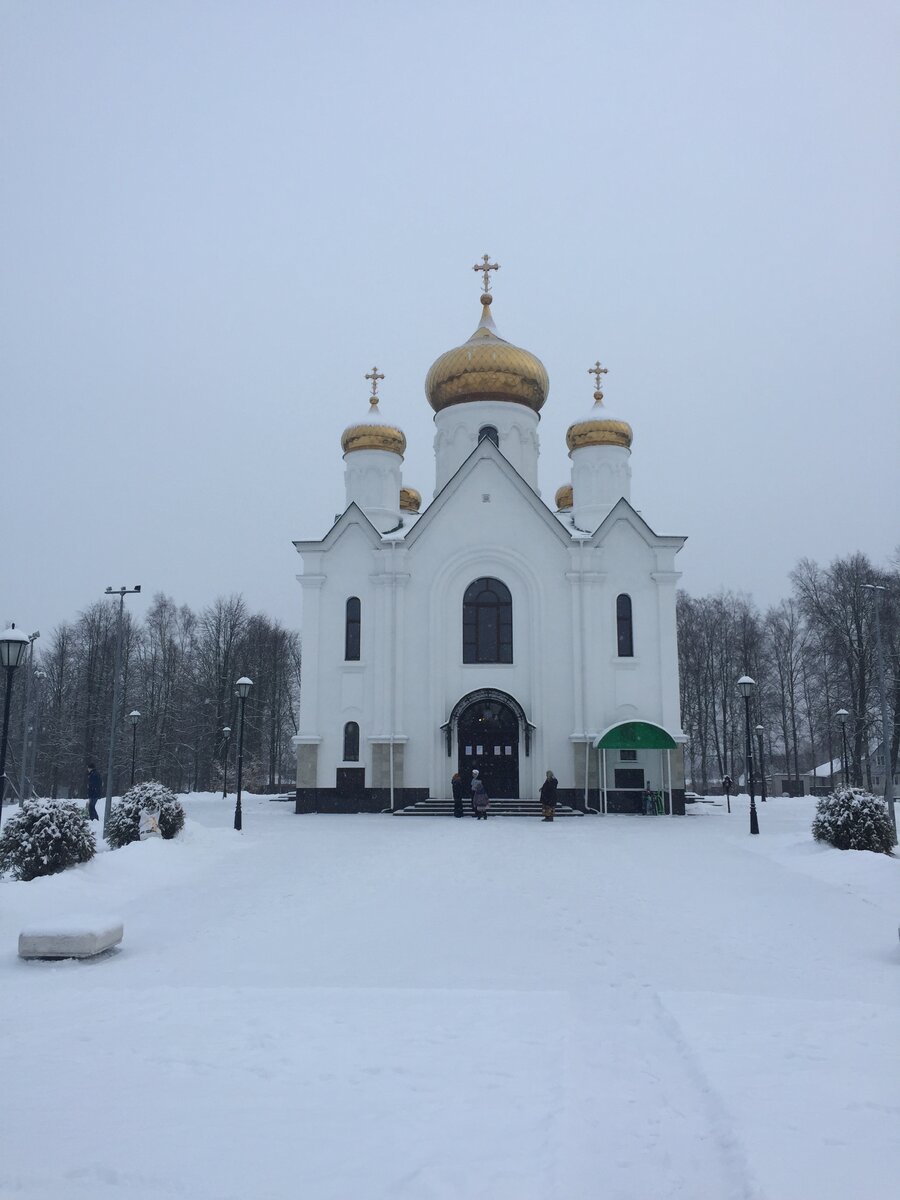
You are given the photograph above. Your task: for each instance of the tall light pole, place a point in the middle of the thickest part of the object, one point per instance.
(13, 645)
(762, 765)
(746, 685)
(226, 734)
(243, 687)
(875, 588)
(134, 716)
(842, 716)
(29, 676)
(121, 592)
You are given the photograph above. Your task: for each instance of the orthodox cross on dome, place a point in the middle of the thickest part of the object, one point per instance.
(597, 371)
(374, 375)
(485, 268)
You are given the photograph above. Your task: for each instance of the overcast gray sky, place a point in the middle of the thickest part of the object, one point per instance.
(217, 216)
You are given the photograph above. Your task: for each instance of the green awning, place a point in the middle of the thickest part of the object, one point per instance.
(636, 735)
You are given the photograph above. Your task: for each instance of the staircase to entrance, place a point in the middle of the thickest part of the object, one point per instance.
(435, 807)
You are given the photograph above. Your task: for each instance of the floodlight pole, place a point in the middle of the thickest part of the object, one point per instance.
(121, 592)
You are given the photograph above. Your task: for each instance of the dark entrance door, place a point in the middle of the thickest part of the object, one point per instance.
(488, 738)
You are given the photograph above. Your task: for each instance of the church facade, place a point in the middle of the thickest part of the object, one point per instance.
(489, 630)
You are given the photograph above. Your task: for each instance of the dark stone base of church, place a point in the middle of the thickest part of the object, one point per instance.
(369, 800)
(376, 800)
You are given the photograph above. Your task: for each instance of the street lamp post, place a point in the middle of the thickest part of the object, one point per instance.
(121, 592)
(842, 716)
(746, 685)
(243, 687)
(13, 645)
(226, 734)
(762, 765)
(134, 716)
(875, 588)
(26, 719)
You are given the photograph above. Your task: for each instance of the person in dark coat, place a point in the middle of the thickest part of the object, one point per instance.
(457, 784)
(548, 796)
(480, 800)
(95, 791)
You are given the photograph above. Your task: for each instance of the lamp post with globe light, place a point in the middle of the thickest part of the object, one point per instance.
(134, 716)
(746, 685)
(842, 716)
(762, 765)
(242, 687)
(13, 646)
(876, 589)
(226, 734)
(26, 715)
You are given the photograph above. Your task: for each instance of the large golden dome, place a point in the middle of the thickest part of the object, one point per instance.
(373, 434)
(487, 368)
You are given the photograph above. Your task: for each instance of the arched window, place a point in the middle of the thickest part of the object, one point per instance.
(351, 742)
(489, 432)
(487, 622)
(352, 630)
(624, 631)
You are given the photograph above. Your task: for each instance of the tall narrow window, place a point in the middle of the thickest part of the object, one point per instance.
(352, 630)
(351, 742)
(487, 622)
(489, 432)
(624, 631)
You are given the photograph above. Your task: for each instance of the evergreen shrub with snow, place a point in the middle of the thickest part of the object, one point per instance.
(125, 818)
(852, 819)
(44, 837)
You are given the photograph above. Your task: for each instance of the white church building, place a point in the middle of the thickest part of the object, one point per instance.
(488, 629)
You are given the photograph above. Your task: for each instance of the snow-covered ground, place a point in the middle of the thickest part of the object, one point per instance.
(357, 1008)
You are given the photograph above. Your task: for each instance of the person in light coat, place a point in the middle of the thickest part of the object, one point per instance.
(480, 801)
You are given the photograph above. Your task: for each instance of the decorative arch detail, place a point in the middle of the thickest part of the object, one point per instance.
(481, 695)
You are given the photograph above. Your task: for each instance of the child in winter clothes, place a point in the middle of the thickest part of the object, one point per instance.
(480, 800)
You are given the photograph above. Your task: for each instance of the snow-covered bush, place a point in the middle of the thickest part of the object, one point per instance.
(43, 837)
(852, 819)
(125, 818)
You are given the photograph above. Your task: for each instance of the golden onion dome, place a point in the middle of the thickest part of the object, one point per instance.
(373, 433)
(410, 500)
(564, 498)
(487, 368)
(599, 428)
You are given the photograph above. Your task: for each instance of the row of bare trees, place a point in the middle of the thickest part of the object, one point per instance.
(179, 670)
(811, 655)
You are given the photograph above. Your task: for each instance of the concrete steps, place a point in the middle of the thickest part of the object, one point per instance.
(436, 807)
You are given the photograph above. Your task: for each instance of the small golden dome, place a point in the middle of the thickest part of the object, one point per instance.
(373, 434)
(564, 498)
(599, 429)
(487, 368)
(410, 500)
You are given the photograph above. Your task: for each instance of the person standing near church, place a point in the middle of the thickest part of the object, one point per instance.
(480, 800)
(95, 791)
(475, 780)
(457, 784)
(548, 796)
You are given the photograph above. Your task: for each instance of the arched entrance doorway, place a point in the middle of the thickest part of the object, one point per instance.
(487, 734)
